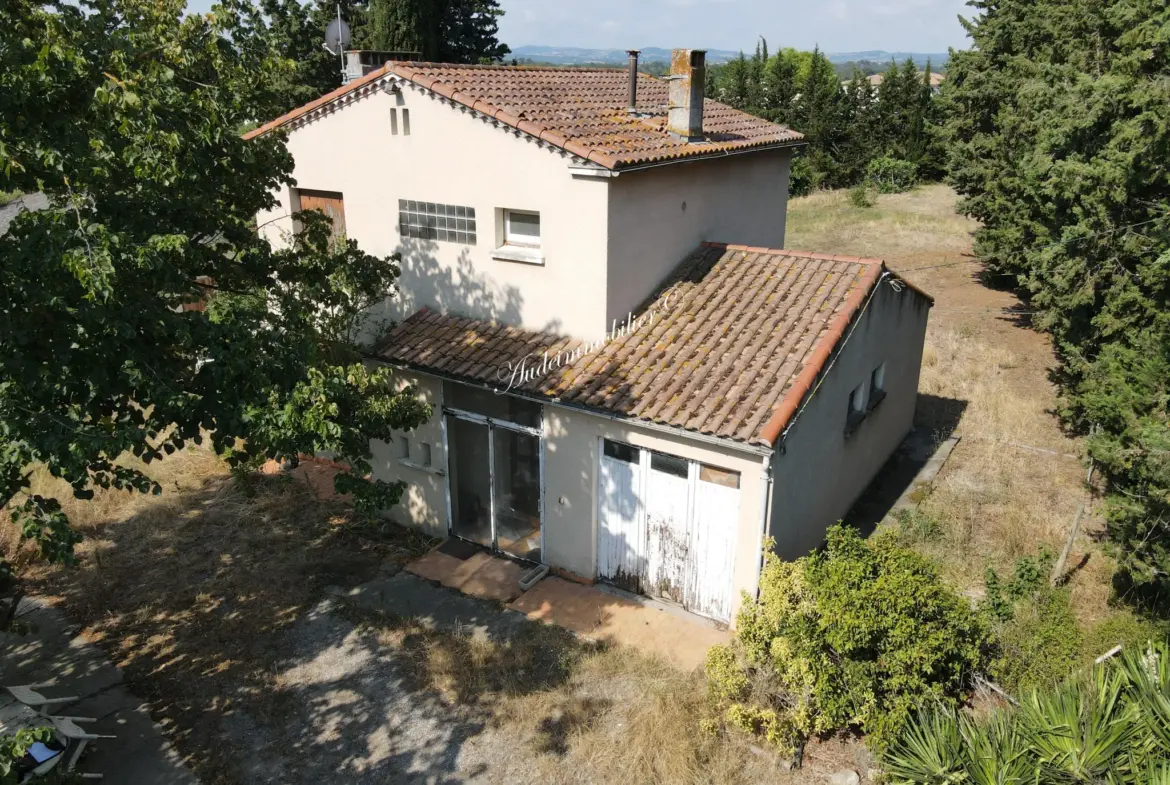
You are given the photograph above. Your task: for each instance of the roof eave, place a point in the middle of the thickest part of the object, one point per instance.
(786, 412)
(753, 448)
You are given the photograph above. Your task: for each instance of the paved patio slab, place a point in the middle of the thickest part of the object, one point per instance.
(480, 575)
(589, 611)
(140, 754)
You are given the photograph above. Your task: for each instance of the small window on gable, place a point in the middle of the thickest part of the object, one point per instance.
(394, 121)
(406, 122)
(877, 386)
(520, 236)
(857, 407)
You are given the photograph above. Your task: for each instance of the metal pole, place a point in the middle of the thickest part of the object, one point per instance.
(340, 45)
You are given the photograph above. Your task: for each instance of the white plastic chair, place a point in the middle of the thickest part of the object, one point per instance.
(28, 695)
(68, 727)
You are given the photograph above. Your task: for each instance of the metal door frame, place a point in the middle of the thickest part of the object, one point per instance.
(492, 423)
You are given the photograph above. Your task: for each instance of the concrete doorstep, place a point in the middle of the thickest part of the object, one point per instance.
(588, 611)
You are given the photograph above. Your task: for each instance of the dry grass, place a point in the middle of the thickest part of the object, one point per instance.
(984, 377)
(576, 712)
(189, 591)
(898, 226)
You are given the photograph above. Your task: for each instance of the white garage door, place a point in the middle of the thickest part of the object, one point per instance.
(667, 527)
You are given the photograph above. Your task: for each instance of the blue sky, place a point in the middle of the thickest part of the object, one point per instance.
(835, 25)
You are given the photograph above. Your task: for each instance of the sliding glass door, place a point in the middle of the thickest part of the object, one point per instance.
(495, 489)
(471, 484)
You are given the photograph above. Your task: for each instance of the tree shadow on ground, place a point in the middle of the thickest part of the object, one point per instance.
(211, 602)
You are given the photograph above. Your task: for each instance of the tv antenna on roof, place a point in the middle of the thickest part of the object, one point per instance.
(337, 38)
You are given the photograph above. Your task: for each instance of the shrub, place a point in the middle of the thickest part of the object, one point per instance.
(862, 195)
(1111, 724)
(891, 175)
(1124, 629)
(917, 525)
(857, 635)
(1040, 645)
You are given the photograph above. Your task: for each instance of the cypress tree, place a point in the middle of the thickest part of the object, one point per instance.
(1058, 136)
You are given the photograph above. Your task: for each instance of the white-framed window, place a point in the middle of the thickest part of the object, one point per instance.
(877, 387)
(522, 228)
(518, 234)
(858, 403)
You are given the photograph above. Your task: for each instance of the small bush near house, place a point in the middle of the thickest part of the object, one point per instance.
(1037, 640)
(1122, 629)
(1040, 645)
(891, 175)
(1110, 724)
(862, 195)
(858, 635)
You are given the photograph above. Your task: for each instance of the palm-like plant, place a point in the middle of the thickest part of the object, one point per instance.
(929, 752)
(1111, 725)
(997, 753)
(1080, 729)
(1147, 679)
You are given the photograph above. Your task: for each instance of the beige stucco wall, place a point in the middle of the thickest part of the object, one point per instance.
(571, 493)
(452, 157)
(424, 503)
(607, 241)
(658, 216)
(820, 472)
(572, 441)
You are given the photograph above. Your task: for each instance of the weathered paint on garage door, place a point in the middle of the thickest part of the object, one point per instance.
(666, 527)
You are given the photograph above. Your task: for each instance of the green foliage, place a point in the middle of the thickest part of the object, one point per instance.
(1111, 724)
(1058, 131)
(845, 126)
(125, 114)
(857, 635)
(445, 31)
(1121, 629)
(1039, 645)
(1028, 577)
(862, 195)
(13, 748)
(891, 175)
(916, 525)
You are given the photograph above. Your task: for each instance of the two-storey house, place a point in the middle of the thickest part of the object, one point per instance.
(632, 381)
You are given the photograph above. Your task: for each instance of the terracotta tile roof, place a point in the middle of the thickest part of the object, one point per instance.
(728, 346)
(581, 110)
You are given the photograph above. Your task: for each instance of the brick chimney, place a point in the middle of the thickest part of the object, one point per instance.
(688, 79)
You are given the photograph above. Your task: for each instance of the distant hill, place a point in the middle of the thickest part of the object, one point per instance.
(574, 55)
(884, 57)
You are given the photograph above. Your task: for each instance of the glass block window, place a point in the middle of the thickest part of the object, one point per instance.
(430, 221)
